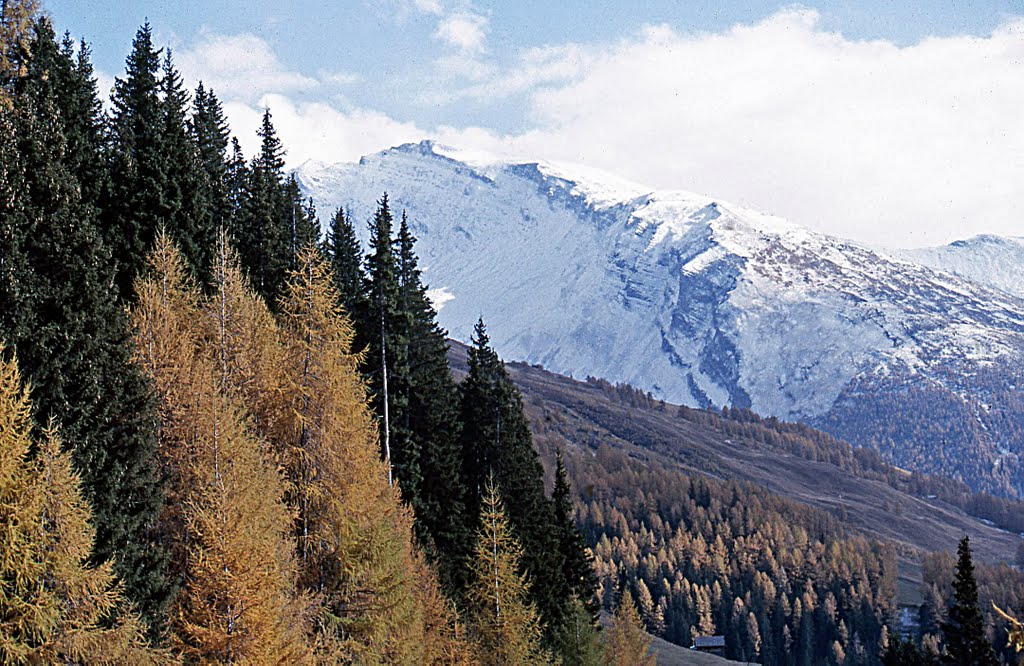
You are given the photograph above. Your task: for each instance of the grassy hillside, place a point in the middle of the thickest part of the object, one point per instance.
(583, 416)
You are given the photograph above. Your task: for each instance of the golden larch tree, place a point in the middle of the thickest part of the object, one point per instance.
(625, 642)
(507, 626)
(240, 601)
(17, 19)
(355, 541)
(54, 607)
(249, 355)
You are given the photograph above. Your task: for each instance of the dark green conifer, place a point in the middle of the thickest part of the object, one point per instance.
(237, 181)
(83, 122)
(384, 325)
(211, 136)
(136, 202)
(342, 249)
(431, 418)
(262, 230)
(188, 210)
(964, 630)
(496, 439)
(303, 225)
(577, 563)
(65, 324)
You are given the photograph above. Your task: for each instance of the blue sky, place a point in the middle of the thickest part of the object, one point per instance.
(893, 122)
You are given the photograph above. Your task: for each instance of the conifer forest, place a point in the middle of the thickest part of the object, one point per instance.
(233, 432)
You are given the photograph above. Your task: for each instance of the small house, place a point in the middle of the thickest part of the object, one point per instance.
(711, 644)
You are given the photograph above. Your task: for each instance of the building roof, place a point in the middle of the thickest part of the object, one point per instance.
(709, 642)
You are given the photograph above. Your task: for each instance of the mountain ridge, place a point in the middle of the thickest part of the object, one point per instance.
(702, 302)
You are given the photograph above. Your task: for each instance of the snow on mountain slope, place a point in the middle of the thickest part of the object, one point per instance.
(995, 261)
(694, 299)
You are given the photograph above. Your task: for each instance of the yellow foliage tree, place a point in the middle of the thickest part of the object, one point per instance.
(16, 20)
(239, 602)
(354, 536)
(1016, 630)
(249, 354)
(445, 640)
(54, 608)
(625, 643)
(507, 627)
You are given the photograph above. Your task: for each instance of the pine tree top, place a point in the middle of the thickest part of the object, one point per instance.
(271, 157)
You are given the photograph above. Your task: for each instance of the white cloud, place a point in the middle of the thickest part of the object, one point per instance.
(465, 31)
(339, 78)
(318, 131)
(428, 6)
(892, 145)
(239, 66)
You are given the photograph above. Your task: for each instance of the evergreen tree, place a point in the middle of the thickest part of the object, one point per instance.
(84, 120)
(341, 247)
(579, 643)
(70, 333)
(964, 631)
(496, 439)
(625, 643)
(384, 326)
(237, 182)
(577, 563)
(303, 225)
(137, 202)
(508, 629)
(188, 212)
(262, 229)
(54, 606)
(431, 419)
(211, 136)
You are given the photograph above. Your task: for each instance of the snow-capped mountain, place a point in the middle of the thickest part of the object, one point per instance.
(996, 261)
(697, 300)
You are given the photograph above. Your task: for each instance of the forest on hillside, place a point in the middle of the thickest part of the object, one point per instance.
(229, 433)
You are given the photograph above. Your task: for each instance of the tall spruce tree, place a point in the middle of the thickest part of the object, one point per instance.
(136, 203)
(577, 563)
(237, 182)
(964, 631)
(496, 440)
(431, 419)
(303, 227)
(342, 249)
(263, 228)
(82, 113)
(68, 329)
(384, 326)
(188, 212)
(211, 136)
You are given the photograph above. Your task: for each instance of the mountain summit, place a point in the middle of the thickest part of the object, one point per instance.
(709, 304)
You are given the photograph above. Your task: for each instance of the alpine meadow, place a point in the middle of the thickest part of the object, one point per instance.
(257, 410)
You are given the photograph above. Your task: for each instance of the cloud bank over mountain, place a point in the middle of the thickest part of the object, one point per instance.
(894, 145)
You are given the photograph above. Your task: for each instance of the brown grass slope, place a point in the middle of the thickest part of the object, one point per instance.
(567, 413)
